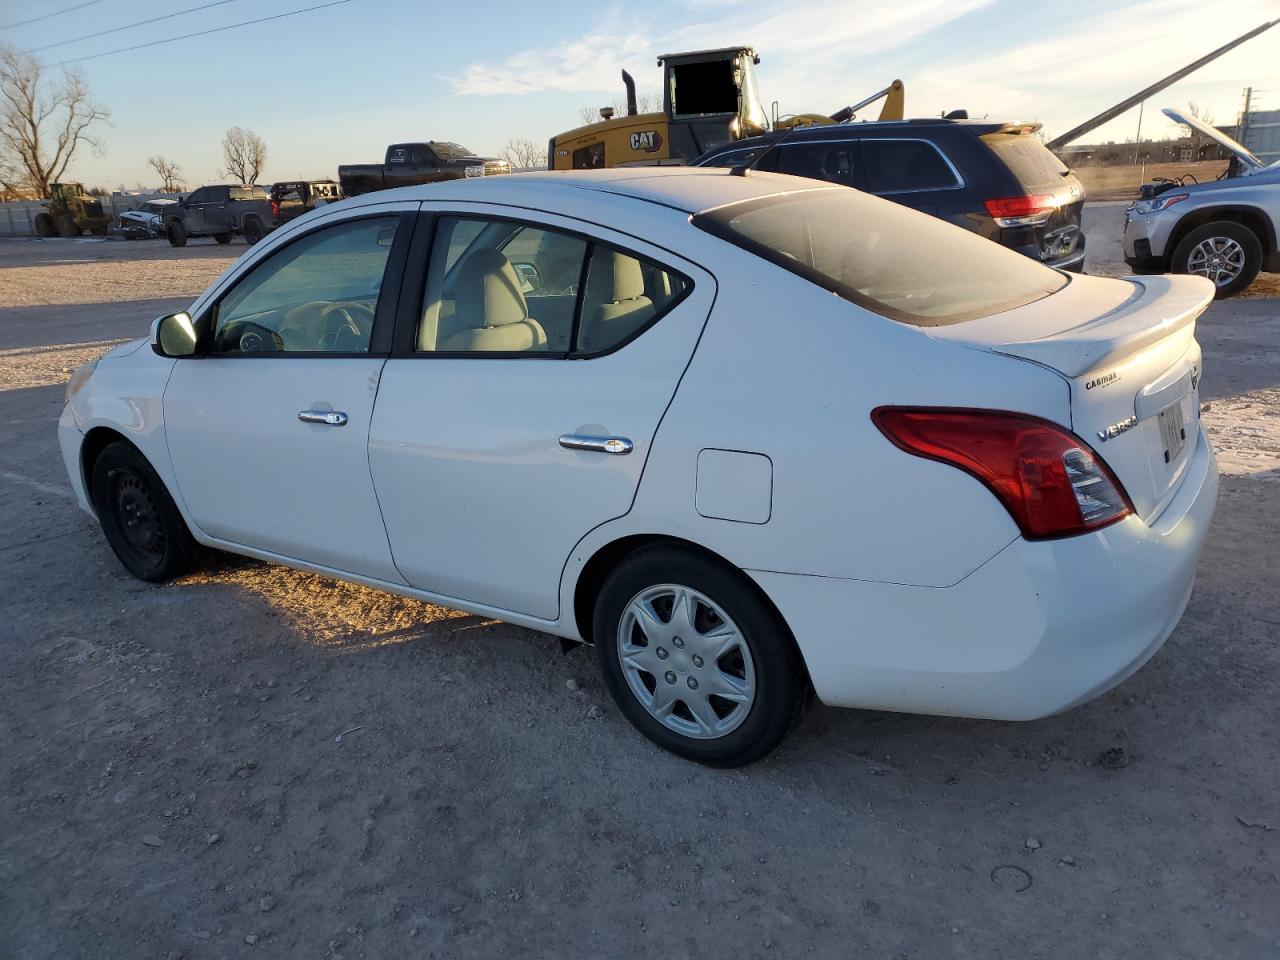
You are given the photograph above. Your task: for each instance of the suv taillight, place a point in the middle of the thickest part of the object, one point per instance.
(1028, 211)
(1048, 479)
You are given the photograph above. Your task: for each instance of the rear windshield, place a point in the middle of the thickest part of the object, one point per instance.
(248, 193)
(894, 261)
(1027, 159)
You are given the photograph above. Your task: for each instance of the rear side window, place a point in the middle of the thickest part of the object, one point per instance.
(899, 166)
(897, 262)
(833, 162)
(1027, 159)
(732, 158)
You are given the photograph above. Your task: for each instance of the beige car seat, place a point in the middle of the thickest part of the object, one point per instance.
(491, 313)
(615, 306)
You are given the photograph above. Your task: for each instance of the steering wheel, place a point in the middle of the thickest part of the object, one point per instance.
(255, 338)
(345, 319)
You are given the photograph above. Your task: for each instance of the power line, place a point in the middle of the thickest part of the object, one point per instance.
(127, 26)
(202, 33)
(46, 16)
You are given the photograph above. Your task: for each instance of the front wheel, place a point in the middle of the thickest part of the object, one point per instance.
(696, 659)
(139, 518)
(1225, 252)
(44, 225)
(177, 234)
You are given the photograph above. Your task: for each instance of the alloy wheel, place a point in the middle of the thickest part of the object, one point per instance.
(1220, 259)
(686, 661)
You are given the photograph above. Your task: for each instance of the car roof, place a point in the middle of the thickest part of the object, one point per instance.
(688, 189)
(876, 128)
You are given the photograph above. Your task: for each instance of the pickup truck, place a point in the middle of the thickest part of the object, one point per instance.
(290, 199)
(220, 212)
(408, 164)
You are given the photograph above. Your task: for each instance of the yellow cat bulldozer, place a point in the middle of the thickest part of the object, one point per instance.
(709, 98)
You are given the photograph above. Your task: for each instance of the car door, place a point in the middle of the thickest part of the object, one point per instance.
(517, 409)
(836, 161)
(193, 211)
(268, 425)
(912, 172)
(217, 211)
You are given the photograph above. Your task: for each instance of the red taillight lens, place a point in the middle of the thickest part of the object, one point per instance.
(275, 208)
(1047, 478)
(1022, 211)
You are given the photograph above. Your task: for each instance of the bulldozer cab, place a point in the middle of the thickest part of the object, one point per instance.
(66, 191)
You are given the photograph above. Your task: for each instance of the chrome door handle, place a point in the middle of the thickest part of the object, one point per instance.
(334, 418)
(619, 446)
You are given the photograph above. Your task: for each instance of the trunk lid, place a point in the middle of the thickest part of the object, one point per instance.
(1128, 352)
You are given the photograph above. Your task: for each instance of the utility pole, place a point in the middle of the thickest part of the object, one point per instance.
(1244, 116)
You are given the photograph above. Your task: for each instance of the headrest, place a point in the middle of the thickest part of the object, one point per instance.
(488, 292)
(614, 276)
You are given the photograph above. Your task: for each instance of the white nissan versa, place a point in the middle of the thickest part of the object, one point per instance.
(747, 435)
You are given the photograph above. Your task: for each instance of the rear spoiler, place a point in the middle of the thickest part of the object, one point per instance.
(1159, 307)
(1017, 129)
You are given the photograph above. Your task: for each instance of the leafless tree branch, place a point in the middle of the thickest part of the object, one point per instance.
(244, 154)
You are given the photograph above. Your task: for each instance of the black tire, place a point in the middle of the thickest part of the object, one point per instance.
(781, 683)
(1188, 256)
(99, 231)
(252, 231)
(222, 238)
(44, 225)
(177, 234)
(67, 226)
(139, 518)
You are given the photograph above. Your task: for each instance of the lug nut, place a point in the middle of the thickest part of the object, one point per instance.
(693, 684)
(679, 644)
(697, 660)
(662, 653)
(671, 677)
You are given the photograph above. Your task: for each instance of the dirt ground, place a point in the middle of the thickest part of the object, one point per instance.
(255, 760)
(1122, 181)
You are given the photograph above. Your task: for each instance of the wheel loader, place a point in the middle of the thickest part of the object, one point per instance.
(709, 98)
(69, 212)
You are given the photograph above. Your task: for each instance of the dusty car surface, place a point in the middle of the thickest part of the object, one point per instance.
(691, 420)
(1225, 230)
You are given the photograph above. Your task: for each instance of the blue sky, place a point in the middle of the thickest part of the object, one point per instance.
(337, 85)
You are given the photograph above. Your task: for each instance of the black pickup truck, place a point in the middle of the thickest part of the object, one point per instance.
(290, 199)
(220, 212)
(408, 164)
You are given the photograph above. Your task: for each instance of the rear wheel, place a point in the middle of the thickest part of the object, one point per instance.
(67, 226)
(695, 659)
(252, 231)
(222, 238)
(1225, 252)
(44, 225)
(139, 518)
(177, 234)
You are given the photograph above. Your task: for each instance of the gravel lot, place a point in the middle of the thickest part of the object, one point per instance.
(255, 759)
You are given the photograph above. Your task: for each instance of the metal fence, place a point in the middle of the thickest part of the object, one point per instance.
(18, 218)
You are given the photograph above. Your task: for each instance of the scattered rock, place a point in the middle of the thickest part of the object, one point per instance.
(1113, 758)
(267, 904)
(251, 939)
(151, 840)
(125, 794)
(595, 713)
(1255, 824)
(1067, 861)
(571, 684)
(413, 931)
(1032, 843)
(212, 838)
(203, 934)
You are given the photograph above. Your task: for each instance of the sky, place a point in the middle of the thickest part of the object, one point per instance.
(337, 85)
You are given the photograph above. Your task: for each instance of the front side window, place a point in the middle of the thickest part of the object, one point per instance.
(590, 157)
(317, 295)
(897, 262)
(834, 162)
(900, 166)
(499, 286)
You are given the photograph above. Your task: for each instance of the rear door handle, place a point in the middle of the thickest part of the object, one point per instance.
(332, 418)
(618, 446)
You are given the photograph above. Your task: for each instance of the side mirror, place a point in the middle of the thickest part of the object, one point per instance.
(173, 335)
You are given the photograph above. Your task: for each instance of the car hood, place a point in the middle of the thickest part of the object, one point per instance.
(1246, 156)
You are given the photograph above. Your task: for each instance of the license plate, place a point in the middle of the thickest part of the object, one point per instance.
(1172, 431)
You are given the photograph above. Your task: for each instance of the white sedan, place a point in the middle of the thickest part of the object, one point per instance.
(750, 436)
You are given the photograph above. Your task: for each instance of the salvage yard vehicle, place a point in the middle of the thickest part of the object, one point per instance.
(697, 422)
(1225, 230)
(290, 199)
(221, 212)
(70, 211)
(995, 179)
(147, 222)
(409, 164)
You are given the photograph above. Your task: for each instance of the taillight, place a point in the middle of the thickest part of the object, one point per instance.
(275, 208)
(1029, 211)
(1048, 479)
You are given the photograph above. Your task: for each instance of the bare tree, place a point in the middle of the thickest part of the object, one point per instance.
(645, 103)
(169, 172)
(1202, 114)
(43, 121)
(523, 154)
(244, 154)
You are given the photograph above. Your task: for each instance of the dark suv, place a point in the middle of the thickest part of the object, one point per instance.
(995, 179)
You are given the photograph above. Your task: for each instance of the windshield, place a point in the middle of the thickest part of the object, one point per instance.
(897, 262)
(450, 151)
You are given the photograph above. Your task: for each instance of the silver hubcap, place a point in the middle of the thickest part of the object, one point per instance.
(1220, 259)
(686, 661)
